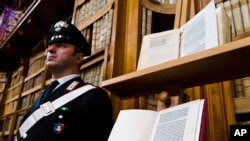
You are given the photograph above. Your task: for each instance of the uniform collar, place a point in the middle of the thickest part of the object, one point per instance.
(67, 78)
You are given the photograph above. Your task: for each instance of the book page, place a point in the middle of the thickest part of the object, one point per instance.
(158, 48)
(200, 32)
(179, 123)
(133, 125)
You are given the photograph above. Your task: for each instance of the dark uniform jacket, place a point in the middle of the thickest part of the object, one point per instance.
(86, 118)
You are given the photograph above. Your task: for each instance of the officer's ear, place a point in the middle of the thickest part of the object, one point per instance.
(79, 57)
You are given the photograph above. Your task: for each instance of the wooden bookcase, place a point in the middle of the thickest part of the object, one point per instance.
(33, 82)
(3, 82)
(207, 74)
(11, 100)
(26, 84)
(95, 20)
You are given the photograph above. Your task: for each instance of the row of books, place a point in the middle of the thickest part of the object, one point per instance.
(242, 110)
(17, 77)
(98, 34)
(3, 81)
(10, 107)
(13, 92)
(166, 1)
(93, 73)
(146, 21)
(241, 87)
(33, 82)
(87, 9)
(239, 14)
(26, 100)
(9, 19)
(36, 63)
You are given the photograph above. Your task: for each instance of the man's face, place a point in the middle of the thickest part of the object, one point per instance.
(61, 56)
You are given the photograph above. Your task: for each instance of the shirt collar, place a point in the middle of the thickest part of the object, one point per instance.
(67, 78)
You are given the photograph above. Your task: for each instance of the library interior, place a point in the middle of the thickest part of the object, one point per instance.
(123, 34)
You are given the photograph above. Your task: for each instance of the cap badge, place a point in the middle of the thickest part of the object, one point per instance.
(59, 25)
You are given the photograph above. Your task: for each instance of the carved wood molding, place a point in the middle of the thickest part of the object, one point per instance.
(160, 8)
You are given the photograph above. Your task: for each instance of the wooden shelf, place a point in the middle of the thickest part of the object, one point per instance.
(94, 58)
(221, 63)
(99, 13)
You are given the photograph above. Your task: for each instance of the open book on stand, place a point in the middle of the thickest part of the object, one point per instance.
(184, 122)
(207, 29)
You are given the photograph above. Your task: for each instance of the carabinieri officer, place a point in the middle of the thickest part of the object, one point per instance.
(87, 117)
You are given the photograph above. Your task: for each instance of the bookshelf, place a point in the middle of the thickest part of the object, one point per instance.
(26, 84)
(3, 82)
(93, 68)
(205, 74)
(95, 20)
(33, 82)
(10, 105)
(196, 69)
(14, 90)
(238, 12)
(152, 21)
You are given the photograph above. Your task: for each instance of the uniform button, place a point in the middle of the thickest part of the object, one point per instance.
(25, 135)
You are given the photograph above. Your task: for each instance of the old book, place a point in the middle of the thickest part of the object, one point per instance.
(245, 15)
(198, 34)
(239, 29)
(248, 1)
(246, 86)
(143, 21)
(238, 87)
(228, 9)
(223, 24)
(158, 48)
(184, 122)
(109, 27)
(149, 21)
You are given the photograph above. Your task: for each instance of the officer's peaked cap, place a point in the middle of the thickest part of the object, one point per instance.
(66, 32)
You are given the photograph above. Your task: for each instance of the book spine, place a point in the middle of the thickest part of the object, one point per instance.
(94, 36)
(237, 17)
(109, 27)
(149, 21)
(238, 86)
(246, 86)
(245, 15)
(144, 18)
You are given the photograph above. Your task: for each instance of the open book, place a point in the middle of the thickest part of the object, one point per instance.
(184, 122)
(203, 31)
